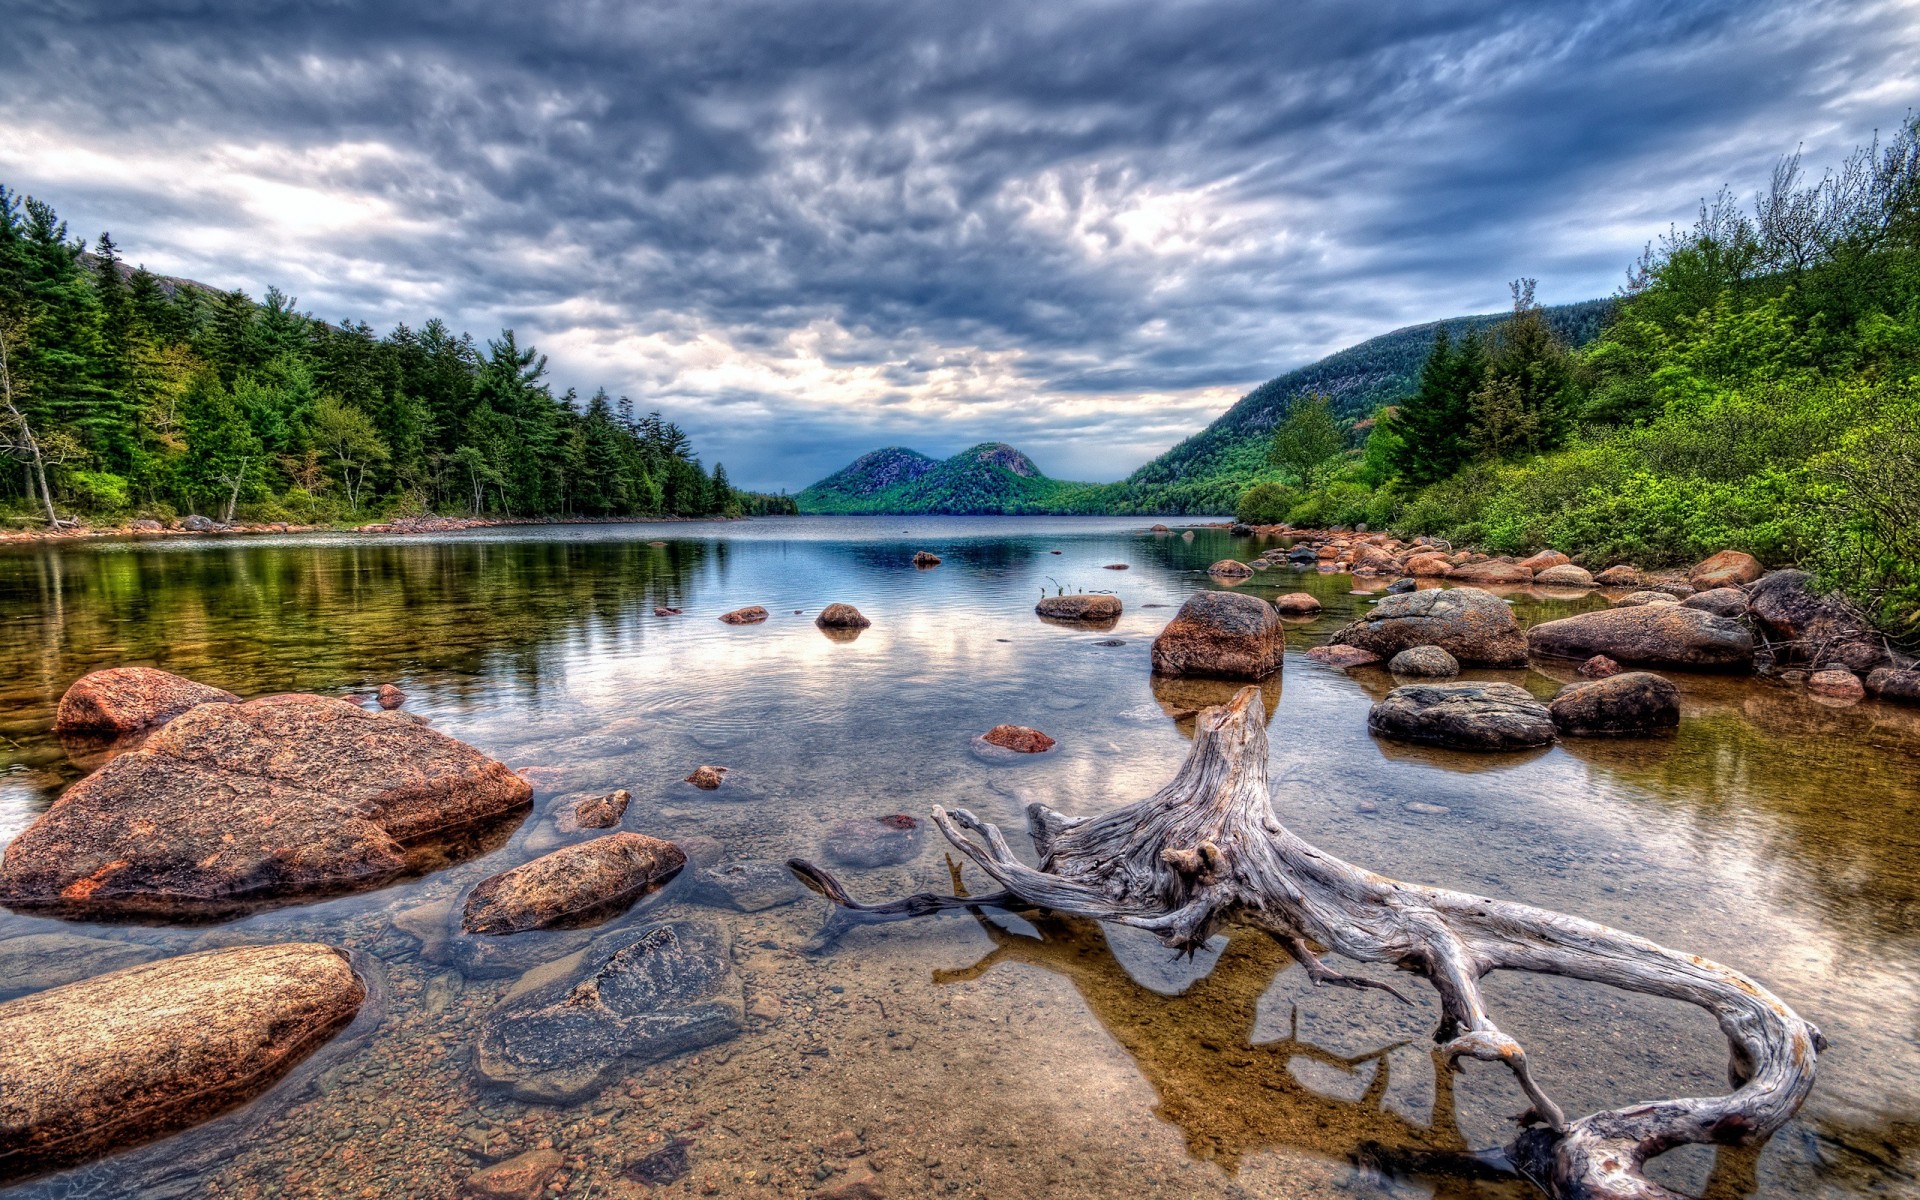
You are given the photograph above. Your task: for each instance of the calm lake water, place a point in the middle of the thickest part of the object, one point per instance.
(960, 1057)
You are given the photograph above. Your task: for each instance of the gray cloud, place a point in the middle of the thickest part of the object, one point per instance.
(805, 229)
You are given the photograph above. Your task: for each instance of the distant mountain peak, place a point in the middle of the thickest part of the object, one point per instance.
(991, 477)
(999, 454)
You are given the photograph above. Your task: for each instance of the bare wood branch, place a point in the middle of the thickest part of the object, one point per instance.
(1207, 849)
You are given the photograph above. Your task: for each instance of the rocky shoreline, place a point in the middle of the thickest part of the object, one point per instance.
(198, 526)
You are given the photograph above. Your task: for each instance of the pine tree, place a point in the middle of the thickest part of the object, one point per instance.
(1431, 425)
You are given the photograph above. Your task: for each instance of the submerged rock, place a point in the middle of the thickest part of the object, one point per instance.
(1650, 634)
(109, 1062)
(591, 877)
(125, 699)
(752, 614)
(1631, 704)
(841, 616)
(1429, 661)
(1221, 635)
(523, 1177)
(707, 778)
(1476, 627)
(1836, 683)
(747, 886)
(872, 841)
(640, 997)
(1297, 604)
(1079, 607)
(924, 558)
(1463, 716)
(1228, 568)
(1018, 738)
(599, 812)
(1343, 656)
(232, 804)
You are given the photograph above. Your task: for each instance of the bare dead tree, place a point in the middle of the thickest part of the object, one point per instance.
(16, 432)
(1208, 849)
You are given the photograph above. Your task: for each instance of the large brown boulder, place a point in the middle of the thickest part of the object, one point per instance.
(841, 616)
(1429, 565)
(1475, 627)
(1491, 571)
(232, 804)
(1620, 576)
(1729, 568)
(1630, 704)
(109, 1062)
(1895, 683)
(1805, 625)
(1079, 607)
(1297, 604)
(1648, 634)
(125, 699)
(572, 882)
(1222, 635)
(1544, 560)
(1463, 716)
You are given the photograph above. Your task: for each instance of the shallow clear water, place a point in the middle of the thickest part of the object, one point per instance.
(959, 1057)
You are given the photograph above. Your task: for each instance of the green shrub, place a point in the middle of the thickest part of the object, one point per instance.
(1265, 504)
(100, 492)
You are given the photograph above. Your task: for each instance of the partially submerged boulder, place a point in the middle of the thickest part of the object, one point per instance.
(1476, 627)
(841, 616)
(601, 812)
(1222, 635)
(1429, 661)
(238, 804)
(752, 614)
(1563, 575)
(707, 777)
(1018, 738)
(1228, 568)
(1297, 604)
(1895, 683)
(1837, 683)
(126, 699)
(1096, 607)
(1648, 634)
(1806, 626)
(1463, 716)
(1630, 704)
(925, 558)
(639, 997)
(109, 1062)
(1729, 568)
(1599, 667)
(589, 878)
(1492, 571)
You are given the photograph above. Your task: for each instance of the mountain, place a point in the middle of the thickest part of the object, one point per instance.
(992, 477)
(1207, 472)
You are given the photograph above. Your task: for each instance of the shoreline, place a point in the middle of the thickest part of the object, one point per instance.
(150, 529)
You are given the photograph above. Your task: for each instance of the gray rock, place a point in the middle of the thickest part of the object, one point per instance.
(1650, 634)
(1429, 661)
(747, 886)
(1721, 602)
(639, 997)
(1631, 704)
(1463, 716)
(1474, 626)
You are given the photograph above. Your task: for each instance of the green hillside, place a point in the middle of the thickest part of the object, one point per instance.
(992, 477)
(1208, 472)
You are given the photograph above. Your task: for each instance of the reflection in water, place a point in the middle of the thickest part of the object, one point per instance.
(1771, 832)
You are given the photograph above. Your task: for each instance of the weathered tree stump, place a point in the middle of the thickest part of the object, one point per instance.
(1208, 849)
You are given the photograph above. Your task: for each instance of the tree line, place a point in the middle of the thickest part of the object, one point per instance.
(123, 393)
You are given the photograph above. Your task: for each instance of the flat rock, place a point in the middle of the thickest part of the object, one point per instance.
(749, 886)
(1343, 656)
(1630, 704)
(1729, 568)
(1429, 661)
(872, 841)
(35, 962)
(236, 804)
(124, 699)
(841, 616)
(1079, 607)
(1648, 634)
(638, 997)
(1018, 738)
(523, 1177)
(1476, 627)
(1721, 602)
(1563, 575)
(1645, 596)
(752, 614)
(1463, 716)
(109, 1062)
(1221, 635)
(1297, 604)
(1491, 571)
(593, 877)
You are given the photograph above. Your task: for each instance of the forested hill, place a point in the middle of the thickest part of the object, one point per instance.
(1207, 472)
(126, 394)
(992, 477)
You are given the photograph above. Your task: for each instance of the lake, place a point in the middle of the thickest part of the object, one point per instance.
(987, 1056)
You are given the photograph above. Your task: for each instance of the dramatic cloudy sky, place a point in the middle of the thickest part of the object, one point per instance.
(807, 228)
